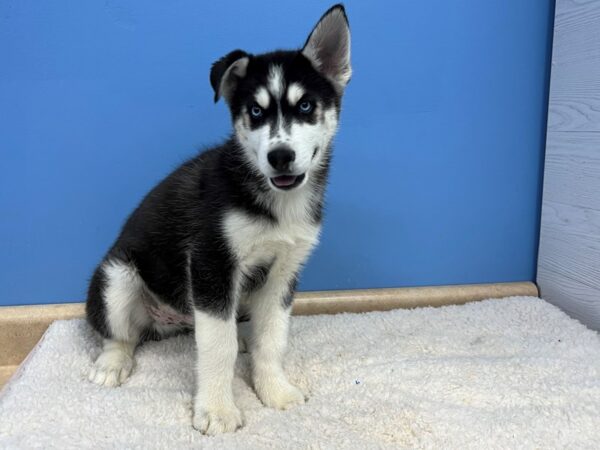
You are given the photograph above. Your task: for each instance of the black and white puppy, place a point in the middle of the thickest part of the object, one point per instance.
(228, 232)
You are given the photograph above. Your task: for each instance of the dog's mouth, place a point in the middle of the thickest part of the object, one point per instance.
(287, 182)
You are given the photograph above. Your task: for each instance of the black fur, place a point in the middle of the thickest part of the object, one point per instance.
(296, 68)
(94, 308)
(219, 68)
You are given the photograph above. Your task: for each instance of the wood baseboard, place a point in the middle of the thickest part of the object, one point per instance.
(365, 300)
(21, 327)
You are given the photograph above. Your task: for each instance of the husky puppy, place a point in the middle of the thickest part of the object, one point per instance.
(227, 233)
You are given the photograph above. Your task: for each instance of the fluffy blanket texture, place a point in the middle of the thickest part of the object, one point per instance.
(504, 373)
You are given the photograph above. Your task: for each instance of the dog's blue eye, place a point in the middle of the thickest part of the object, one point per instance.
(256, 111)
(305, 107)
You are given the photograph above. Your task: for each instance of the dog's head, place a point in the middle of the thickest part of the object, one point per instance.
(285, 105)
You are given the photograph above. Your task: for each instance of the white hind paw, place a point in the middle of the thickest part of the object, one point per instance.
(109, 377)
(112, 367)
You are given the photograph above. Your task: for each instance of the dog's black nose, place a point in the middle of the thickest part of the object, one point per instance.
(281, 158)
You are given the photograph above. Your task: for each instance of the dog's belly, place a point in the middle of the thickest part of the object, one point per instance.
(164, 315)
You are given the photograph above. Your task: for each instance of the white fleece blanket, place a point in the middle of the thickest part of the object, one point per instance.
(494, 374)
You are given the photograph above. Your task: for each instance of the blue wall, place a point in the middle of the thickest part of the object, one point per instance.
(436, 173)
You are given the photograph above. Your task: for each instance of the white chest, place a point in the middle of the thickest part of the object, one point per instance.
(254, 240)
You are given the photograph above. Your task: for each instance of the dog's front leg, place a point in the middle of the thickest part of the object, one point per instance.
(270, 309)
(216, 340)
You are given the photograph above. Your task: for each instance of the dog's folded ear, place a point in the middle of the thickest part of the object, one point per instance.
(328, 47)
(225, 73)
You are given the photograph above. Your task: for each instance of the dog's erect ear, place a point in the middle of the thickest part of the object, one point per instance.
(226, 72)
(328, 47)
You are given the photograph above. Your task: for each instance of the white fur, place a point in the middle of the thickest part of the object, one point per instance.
(126, 317)
(262, 97)
(255, 144)
(255, 241)
(126, 314)
(302, 138)
(286, 244)
(268, 339)
(216, 341)
(294, 93)
(275, 81)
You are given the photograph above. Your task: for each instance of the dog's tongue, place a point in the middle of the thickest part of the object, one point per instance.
(284, 180)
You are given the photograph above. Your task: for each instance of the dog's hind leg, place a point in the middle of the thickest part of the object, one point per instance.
(116, 309)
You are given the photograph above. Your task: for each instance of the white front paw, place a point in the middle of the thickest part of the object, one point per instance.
(217, 420)
(279, 393)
